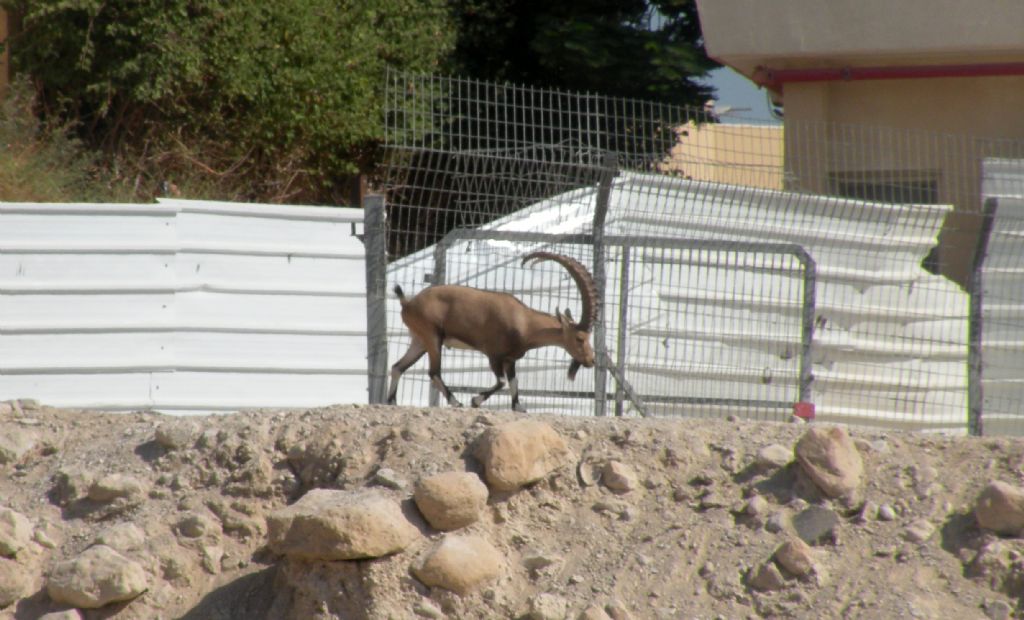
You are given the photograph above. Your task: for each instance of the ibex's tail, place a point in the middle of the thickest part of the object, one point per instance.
(401, 295)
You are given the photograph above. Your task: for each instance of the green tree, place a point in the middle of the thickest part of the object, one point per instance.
(646, 49)
(242, 98)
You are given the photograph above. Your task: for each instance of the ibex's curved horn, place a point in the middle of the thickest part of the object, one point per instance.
(584, 282)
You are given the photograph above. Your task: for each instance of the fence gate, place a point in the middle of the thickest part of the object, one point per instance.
(693, 327)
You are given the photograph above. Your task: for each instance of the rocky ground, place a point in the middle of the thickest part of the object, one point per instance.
(379, 512)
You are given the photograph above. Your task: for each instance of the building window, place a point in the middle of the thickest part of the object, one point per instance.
(891, 187)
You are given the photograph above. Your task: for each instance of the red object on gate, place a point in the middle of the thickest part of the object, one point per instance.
(804, 410)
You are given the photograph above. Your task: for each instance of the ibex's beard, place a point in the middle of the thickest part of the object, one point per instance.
(574, 366)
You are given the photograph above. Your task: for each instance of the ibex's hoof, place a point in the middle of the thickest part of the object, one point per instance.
(455, 403)
(519, 408)
(476, 402)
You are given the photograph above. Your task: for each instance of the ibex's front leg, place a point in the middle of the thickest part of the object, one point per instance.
(499, 371)
(513, 386)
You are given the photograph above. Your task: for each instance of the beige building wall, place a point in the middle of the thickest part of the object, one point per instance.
(749, 155)
(922, 131)
(916, 130)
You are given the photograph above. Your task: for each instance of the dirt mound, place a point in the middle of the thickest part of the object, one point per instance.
(148, 516)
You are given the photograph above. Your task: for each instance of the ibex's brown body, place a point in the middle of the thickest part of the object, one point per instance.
(496, 324)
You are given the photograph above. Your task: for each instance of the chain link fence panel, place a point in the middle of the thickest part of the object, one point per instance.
(892, 220)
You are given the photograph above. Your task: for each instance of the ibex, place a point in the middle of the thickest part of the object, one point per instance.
(495, 324)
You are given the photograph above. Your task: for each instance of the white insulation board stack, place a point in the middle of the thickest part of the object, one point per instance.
(890, 344)
(182, 306)
(1002, 310)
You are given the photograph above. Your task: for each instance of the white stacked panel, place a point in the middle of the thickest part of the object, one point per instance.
(182, 306)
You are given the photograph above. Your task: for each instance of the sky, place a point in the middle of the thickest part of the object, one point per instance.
(748, 102)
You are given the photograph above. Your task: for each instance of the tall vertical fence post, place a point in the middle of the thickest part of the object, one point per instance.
(375, 246)
(621, 342)
(975, 325)
(609, 165)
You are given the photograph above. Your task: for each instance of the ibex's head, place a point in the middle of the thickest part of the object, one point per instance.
(576, 336)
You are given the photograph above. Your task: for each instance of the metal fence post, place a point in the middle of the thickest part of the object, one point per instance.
(621, 342)
(975, 324)
(375, 246)
(609, 165)
(438, 277)
(807, 325)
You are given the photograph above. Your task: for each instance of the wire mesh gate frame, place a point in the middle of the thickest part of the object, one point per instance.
(605, 365)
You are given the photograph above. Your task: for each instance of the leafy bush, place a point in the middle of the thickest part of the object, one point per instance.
(40, 163)
(232, 98)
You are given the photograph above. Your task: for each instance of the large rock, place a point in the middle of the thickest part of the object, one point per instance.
(340, 525)
(1000, 508)
(13, 582)
(451, 500)
(831, 460)
(460, 564)
(97, 577)
(519, 453)
(15, 532)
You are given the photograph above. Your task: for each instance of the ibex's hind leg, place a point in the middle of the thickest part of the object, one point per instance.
(499, 371)
(513, 387)
(415, 352)
(434, 352)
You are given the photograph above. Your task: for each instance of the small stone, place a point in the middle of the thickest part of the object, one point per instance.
(122, 537)
(618, 477)
(386, 477)
(535, 561)
(15, 444)
(919, 531)
(196, 525)
(67, 614)
(617, 610)
(795, 556)
(773, 456)
(777, 522)
(212, 558)
(114, 486)
(44, 539)
(547, 606)
(886, 513)
(756, 506)
(427, 609)
(13, 582)
(15, 532)
(767, 578)
(176, 435)
(594, 612)
(998, 610)
(815, 524)
(868, 512)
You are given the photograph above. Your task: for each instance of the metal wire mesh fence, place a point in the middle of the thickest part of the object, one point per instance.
(915, 324)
